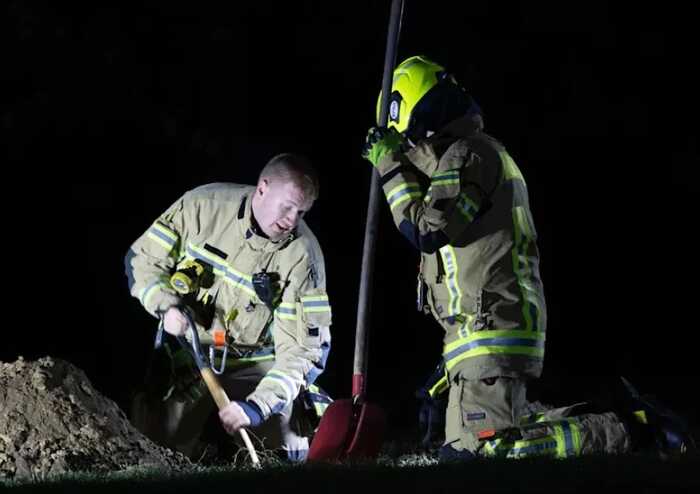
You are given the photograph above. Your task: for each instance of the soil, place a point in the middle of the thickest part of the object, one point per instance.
(53, 421)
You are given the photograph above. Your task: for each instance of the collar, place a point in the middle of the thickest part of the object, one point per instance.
(250, 231)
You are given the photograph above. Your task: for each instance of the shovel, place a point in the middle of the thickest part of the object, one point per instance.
(217, 392)
(354, 428)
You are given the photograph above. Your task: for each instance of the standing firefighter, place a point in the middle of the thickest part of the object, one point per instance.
(243, 263)
(459, 198)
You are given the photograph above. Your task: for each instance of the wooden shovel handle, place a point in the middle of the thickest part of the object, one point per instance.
(222, 400)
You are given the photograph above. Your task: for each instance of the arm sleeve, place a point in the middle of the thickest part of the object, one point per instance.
(152, 257)
(301, 333)
(431, 210)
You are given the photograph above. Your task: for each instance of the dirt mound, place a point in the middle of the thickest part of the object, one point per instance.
(53, 421)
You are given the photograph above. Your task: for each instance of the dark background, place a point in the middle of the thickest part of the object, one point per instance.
(110, 113)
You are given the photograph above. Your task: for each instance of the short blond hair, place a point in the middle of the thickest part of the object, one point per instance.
(290, 167)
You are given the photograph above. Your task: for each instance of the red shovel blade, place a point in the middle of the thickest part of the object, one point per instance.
(348, 431)
(369, 432)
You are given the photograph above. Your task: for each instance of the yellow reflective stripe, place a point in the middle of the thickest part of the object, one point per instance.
(523, 225)
(510, 169)
(533, 419)
(147, 292)
(500, 342)
(440, 386)
(317, 309)
(166, 231)
(547, 445)
(402, 193)
(640, 416)
(242, 362)
(521, 264)
(159, 241)
(568, 436)
(495, 333)
(320, 408)
(407, 197)
(489, 449)
(464, 328)
(283, 381)
(315, 303)
(447, 175)
(222, 268)
(467, 207)
(399, 188)
(287, 310)
(449, 258)
(256, 359)
(444, 182)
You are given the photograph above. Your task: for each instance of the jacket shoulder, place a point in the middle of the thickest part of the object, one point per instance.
(217, 194)
(305, 246)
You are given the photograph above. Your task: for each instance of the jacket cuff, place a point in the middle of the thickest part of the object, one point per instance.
(252, 411)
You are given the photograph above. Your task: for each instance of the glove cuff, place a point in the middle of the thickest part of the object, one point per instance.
(252, 411)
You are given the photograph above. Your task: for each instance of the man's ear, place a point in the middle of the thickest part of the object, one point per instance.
(263, 185)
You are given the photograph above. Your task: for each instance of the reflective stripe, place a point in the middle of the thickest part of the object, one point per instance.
(285, 382)
(316, 303)
(441, 385)
(464, 328)
(521, 266)
(565, 442)
(287, 311)
(319, 399)
(402, 193)
(537, 447)
(533, 418)
(543, 446)
(569, 438)
(449, 258)
(450, 177)
(320, 403)
(150, 290)
(246, 360)
(221, 268)
(467, 207)
(163, 236)
(510, 169)
(504, 341)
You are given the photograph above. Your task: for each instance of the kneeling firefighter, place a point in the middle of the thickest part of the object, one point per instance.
(459, 198)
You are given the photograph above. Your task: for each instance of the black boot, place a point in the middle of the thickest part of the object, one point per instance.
(652, 424)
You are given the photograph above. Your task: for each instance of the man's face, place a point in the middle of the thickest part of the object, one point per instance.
(278, 207)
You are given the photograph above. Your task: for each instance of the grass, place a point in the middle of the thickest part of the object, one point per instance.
(408, 473)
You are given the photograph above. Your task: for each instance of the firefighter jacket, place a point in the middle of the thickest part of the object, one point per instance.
(213, 225)
(461, 200)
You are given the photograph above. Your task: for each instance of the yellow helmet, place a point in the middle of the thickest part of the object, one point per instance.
(424, 97)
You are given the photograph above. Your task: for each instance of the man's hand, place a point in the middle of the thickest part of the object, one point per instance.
(233, 418)
(175, 322)
(381, 141)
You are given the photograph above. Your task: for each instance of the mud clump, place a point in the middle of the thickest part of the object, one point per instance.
(52, 421)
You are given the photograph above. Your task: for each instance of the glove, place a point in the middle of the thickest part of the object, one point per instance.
(381, 141)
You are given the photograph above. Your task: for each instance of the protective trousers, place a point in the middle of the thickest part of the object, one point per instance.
(491, 417)
(180, 419)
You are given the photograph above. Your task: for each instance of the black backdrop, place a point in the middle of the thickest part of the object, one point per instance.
(110, 113)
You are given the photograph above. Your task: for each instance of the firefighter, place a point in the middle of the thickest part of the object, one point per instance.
(459, 198)
(249, 270)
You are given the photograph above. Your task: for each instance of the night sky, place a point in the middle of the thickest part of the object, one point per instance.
(110, 113)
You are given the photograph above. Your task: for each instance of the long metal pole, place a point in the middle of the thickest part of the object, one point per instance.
(364, 308)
